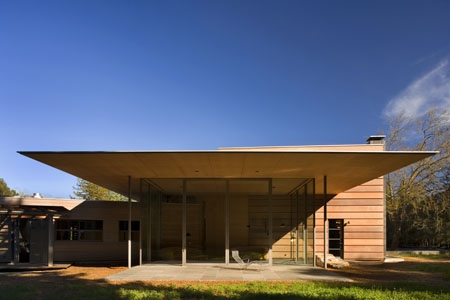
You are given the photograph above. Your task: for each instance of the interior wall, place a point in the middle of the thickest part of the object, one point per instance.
(215, 224)
(238, 221)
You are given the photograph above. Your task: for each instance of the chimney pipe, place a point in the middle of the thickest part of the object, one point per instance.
(376, 139)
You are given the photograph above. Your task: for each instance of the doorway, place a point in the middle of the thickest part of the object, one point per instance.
(336, 237)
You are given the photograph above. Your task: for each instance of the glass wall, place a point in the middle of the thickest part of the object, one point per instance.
(293, 225)
(205, 222)
(249, 218)
(161, 212)
(257, 217)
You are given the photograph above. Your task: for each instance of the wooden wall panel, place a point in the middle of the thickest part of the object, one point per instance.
(362, 208)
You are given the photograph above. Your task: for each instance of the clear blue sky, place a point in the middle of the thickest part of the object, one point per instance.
(163, 75)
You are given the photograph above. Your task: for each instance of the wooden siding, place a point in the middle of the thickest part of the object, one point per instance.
(362, 209)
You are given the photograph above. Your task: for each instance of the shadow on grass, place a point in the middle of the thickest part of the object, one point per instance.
(57, 285)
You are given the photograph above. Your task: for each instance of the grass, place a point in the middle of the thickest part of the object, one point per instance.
(42, 286)
(429, 256)
(434, 267)
(254, 290)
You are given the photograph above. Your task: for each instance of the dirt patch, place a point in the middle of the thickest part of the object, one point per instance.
(412, 269)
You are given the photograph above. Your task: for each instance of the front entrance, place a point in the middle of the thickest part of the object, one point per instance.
(336, 237)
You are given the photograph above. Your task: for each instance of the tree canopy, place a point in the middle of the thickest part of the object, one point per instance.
(5, 190)
(418, 196)
(90, 191)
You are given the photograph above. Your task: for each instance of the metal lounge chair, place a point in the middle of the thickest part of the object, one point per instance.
(244, 263)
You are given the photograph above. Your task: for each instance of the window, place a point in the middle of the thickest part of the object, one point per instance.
(123, 231)
(79, 230)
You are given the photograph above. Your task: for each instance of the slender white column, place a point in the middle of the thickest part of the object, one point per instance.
(227, 223)
(183, 230)
(270, 223)
(325, 221)
(140, 224)
(149, 223)
(50, 240)
(129, 222)
(314, 221)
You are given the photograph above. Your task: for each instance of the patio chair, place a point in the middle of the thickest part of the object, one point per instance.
(244, 263)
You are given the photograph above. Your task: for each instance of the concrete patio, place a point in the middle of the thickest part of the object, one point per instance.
(221, 272)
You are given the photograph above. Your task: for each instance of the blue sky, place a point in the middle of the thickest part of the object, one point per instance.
(171, 75)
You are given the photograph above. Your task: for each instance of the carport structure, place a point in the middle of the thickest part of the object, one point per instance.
(267, 202)
(19, 216)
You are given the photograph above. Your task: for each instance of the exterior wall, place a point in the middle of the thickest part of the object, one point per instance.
(110, 248)
(362, 208)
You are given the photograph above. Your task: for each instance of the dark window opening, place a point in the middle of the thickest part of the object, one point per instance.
(123, 231)
(79, 230)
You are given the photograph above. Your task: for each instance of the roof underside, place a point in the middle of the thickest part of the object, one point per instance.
(344, 169)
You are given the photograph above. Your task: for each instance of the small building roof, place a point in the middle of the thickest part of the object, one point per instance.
(33, 206)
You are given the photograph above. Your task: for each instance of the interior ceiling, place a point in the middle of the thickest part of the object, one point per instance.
(343, 169)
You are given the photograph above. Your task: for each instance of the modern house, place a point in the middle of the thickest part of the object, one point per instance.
(283, 205)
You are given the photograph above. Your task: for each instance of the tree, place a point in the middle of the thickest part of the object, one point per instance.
(5, 190)
(88, 190)
(417, 206)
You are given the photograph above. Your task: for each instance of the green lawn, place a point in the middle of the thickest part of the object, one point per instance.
(41, 285)
(256, 290)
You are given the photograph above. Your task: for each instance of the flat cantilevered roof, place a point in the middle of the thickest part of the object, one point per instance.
(344, 169)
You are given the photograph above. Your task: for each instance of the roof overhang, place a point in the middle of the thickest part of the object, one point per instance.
(343, 169)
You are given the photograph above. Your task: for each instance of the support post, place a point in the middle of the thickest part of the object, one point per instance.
(296, 227)
(16, 241)
(140, 224)
(325, 222)
(305, 225)
(149, 223)
(270, 223)
(183, 230)
(227, 223)
(140, 242)
(50, 240)
(314, 222)
(129, 222)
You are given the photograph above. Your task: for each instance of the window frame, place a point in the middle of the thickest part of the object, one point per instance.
(78, 230)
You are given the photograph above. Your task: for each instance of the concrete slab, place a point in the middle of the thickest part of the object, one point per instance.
(221, 272)
(22, 267)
